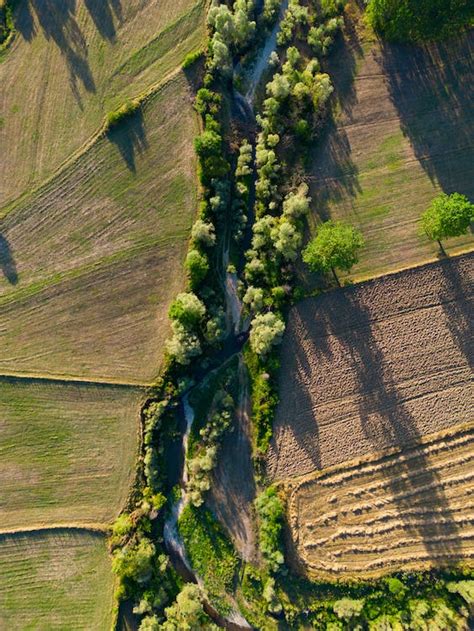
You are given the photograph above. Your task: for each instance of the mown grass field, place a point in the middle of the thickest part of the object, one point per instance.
(93, 234)
(56, 580)
(400, 510)
(67, 452)
(92, 260)
(73, 61)
(402, 133)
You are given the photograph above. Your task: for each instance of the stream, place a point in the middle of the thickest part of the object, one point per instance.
(237, 334)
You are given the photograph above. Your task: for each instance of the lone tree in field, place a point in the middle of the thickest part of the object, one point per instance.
(448, 216)
(335, 246)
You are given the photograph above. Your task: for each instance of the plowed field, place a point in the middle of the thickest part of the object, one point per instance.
(375, 366)
(401, 510)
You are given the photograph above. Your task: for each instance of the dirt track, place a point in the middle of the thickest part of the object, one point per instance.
(396, 511)
(375, 366)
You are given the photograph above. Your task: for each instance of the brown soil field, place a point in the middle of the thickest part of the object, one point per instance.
(403, 131)
(375, 366)
(90, 262)
(406, 509)
(72, 62)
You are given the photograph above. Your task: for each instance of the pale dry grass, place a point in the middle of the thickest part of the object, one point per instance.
(399, 510)
(67, 452)
(92, 260)
(403, 134)
(72, 62)
(375, 366)
(55, 580)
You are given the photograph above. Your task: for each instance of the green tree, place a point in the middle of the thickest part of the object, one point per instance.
(447, 216)
(187, 309)
(335, 246)
(419, 20)
(266, 331)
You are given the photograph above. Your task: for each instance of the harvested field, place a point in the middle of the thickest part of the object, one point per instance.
(55, 580)
(67, 452)
(375, 366)
(92, 260)
(408, 509)
(403, 132)
(72, 62)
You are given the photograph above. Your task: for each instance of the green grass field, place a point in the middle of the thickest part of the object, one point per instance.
(402, 135)
(56, 580)
(67, 452)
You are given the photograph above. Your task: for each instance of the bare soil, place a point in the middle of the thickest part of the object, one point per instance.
(406, 509)
(375, 366)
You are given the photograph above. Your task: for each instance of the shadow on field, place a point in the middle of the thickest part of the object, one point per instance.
(331, 154)
(58, 23)
(431, 88)
(457, 300)
(102, 13)
(7, 262)
(385, 420)
(129, 136)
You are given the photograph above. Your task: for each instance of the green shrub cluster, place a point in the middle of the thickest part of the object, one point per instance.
(420, 20)
(6, 22)
(270, 513)
(192, 58)
(124, 111)
(210, 552)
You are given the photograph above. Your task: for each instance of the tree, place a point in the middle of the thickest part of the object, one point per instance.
(197, 266)
(419, 20)
(187, 309)
(187, 613)
(203, 233)
(266, 331)
(335, 246)
(447, 216)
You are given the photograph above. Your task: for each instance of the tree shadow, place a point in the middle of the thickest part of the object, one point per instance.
(102, 13)
(386, 422)
(334, 174)
(7, 262)
(129, 136)
(58, 23)
(431, 89)
(457, 300)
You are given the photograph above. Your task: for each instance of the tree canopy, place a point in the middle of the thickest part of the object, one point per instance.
(336, 245)
(419, 20)
(447, 216)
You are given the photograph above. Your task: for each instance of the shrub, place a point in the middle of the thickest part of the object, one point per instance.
(187, 613)
(197, 266)
(348, 608)
(203, 233)
(266, 331)
(192, 58)
(183, 345)
(127, 109)
(187, 309)
(270, 513)
(134, 561)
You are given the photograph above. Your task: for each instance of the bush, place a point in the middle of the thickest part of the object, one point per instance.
(203, 233)
(420, 20)
(127, 109)
(266, 331)
(192, 58)
(197, 266)
(270, 513)
(187, 613)
(134, 562)
(183, 345)
(187, 309)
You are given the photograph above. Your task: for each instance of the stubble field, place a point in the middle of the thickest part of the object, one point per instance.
(402, 510)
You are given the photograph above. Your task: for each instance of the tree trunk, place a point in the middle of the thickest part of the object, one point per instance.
(335, 276)
(443, 251)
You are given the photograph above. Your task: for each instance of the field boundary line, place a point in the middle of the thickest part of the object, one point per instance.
(71, 380)
(94, 528)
